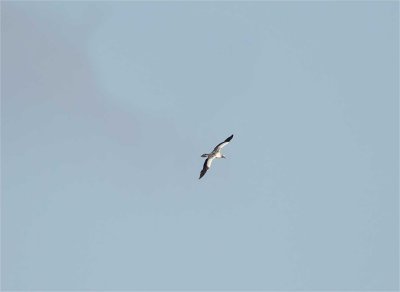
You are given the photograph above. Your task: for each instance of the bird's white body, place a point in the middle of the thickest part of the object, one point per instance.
(218, 155)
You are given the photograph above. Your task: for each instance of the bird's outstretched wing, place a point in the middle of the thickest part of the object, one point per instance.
(206, 166)
(222, 144)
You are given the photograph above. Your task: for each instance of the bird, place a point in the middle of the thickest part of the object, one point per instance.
(216, 153)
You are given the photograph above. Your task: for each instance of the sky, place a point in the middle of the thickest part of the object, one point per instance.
(106, 108)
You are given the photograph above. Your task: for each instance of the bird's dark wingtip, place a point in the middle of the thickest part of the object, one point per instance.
(229, 138)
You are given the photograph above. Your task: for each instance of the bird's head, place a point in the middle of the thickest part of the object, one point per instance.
(223, 156)
(204, 155)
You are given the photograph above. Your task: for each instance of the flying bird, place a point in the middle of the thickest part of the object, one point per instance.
(216, 153)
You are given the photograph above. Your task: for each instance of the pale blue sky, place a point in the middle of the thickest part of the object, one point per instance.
(107, 107)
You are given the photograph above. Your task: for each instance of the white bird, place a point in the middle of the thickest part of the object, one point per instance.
(216, 153)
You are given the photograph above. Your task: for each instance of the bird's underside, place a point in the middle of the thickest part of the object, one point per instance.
(216, 153)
